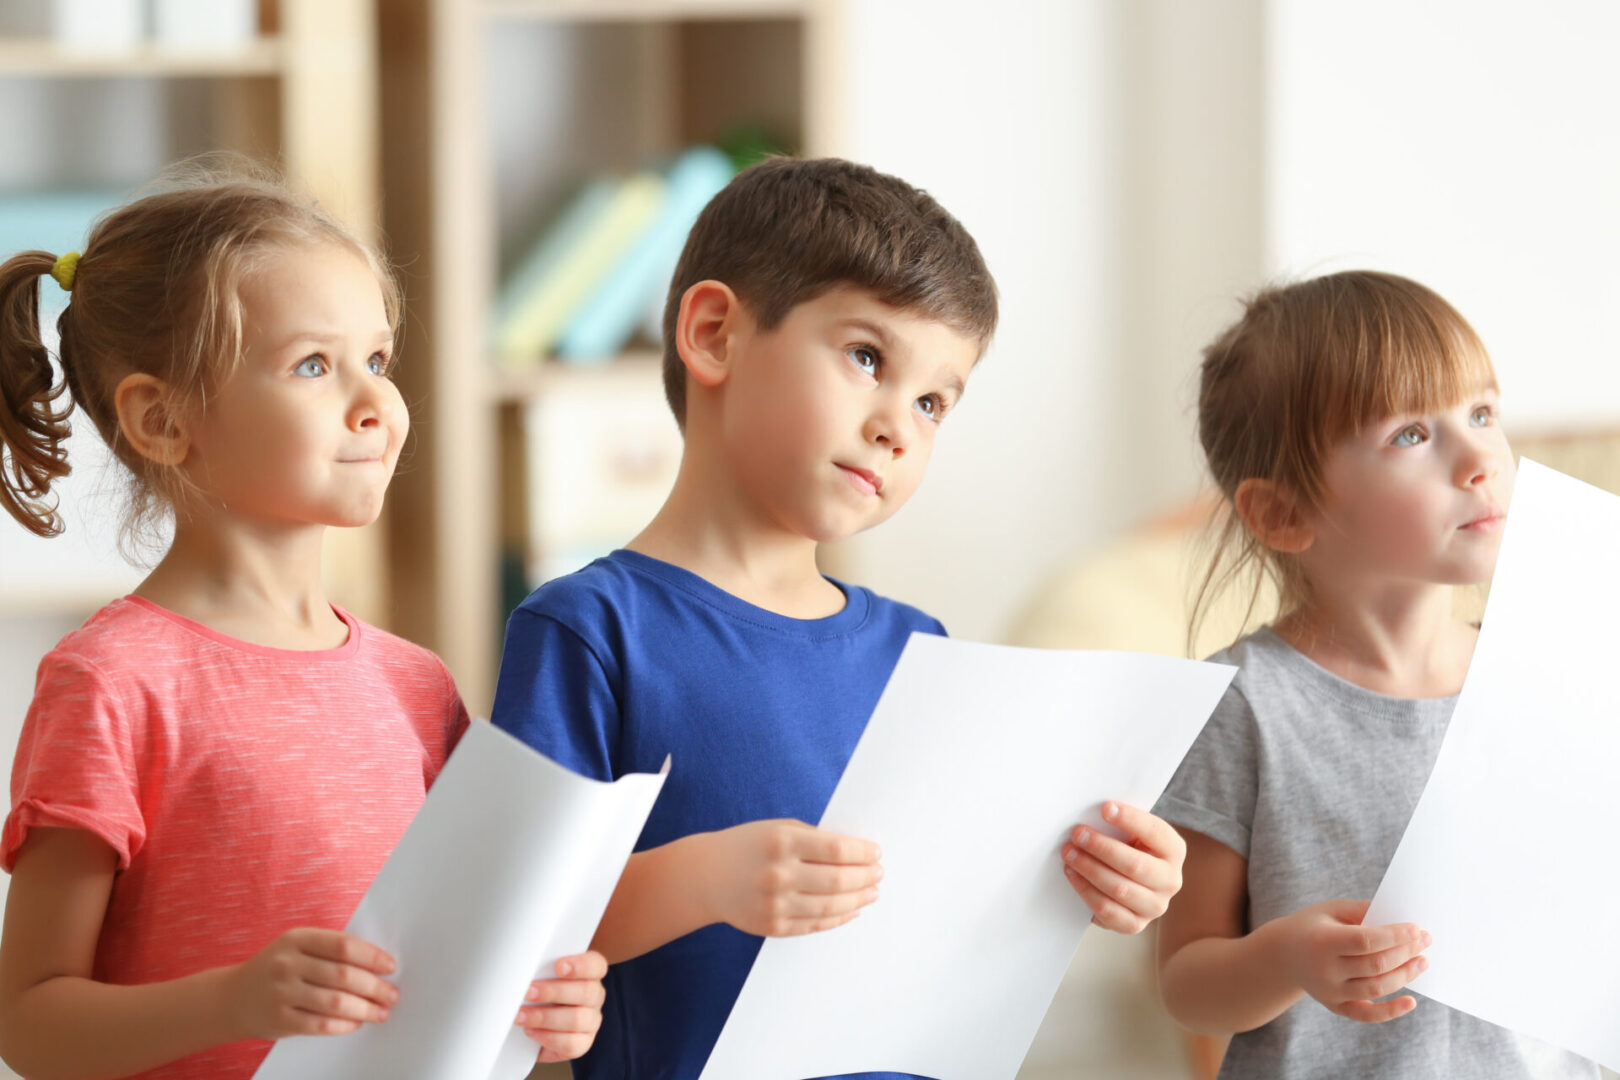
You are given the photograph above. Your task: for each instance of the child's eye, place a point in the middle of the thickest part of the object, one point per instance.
(864, 357)
(378, 364)
(931, 406)
(1412, 436)
(311, 367)
(1482, 416)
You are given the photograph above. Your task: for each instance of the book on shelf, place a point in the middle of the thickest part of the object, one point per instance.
(570, 260)
(583, 290)
(607, 320)
(55, 221)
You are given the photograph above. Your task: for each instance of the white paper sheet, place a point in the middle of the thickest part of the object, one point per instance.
(1510, 858)
(507, 868)
(976, 765)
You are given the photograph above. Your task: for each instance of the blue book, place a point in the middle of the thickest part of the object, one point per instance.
(54, 221)
(607, 320)
(541, 261)
(583, 258)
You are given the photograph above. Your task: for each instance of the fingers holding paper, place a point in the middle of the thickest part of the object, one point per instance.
(783, 878)
(1346, 966)
(312, 981)
(563, 1014)
(1126, 883)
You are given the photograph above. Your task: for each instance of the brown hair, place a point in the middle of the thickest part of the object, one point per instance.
(156, 291)
(787, 230)
(1307, 366)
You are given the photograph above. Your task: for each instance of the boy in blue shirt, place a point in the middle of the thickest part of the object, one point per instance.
(823, 320)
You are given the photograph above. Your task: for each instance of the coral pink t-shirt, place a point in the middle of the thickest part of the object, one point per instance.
(247, 790)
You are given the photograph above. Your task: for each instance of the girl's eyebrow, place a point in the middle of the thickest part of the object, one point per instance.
(328, 337)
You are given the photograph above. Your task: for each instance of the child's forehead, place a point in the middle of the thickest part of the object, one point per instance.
(860, 308)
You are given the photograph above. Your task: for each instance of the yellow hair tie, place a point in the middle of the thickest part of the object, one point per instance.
(65, 269)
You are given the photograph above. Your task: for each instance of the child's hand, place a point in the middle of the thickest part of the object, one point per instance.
(1126, 885)
(1345, 965)
(781, 878)
(563, 1014)
(311, 982)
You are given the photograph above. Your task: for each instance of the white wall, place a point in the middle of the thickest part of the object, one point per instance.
(1130, 167)
(1013, 123)
(1105, 154)
(1471, 145)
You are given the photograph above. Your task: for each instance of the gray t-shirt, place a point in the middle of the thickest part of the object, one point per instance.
(1313, 779)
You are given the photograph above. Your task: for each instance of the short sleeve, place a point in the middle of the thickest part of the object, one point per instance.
(456, 720)
(555, 694)
(1215, 788)
(76, 766)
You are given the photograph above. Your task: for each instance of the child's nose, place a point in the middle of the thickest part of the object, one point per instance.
(1478, 464)
(885, 426)
(371, 405)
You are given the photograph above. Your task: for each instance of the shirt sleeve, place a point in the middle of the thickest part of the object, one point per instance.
(1215, 787)
(555, 693)
(456, 720)
(76, 765)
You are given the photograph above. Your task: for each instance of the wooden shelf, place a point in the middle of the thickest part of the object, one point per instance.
(650, 77)
(646, 10)
(36, 58)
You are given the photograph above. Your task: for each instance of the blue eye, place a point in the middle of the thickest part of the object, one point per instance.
(863, 357)
(378, 364)
(1412, 436)
(311, 367)
(1482, 416)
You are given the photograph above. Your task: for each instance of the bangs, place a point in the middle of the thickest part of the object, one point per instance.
(1396, 349)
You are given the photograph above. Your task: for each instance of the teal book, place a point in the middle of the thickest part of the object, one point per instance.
(541, 260)
(570, 261)
(607, 320)
(53, 221)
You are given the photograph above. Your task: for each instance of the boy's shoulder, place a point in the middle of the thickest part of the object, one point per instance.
(601, 585)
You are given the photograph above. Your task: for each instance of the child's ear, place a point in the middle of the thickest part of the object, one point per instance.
(147, 421)
(1274, 515)
(709, 317)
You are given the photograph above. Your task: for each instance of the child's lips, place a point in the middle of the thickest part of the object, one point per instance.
(864, 480)
(1490, 520)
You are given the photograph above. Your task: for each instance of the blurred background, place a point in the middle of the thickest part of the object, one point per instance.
(1128, 167)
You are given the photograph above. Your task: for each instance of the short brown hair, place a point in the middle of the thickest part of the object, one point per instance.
(1306, 366)
(156, 291)
(787, 230)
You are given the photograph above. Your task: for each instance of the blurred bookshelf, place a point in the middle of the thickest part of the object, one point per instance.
(42, 57)
(498, 114)
(301, 94)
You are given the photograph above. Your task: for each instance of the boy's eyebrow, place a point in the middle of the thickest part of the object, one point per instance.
(867, 326)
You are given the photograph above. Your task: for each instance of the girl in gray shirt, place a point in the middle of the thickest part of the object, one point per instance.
(1350, 423)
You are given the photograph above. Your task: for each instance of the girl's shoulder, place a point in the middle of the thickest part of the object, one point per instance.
(123, 633)
(1260, 653)
(392, 650)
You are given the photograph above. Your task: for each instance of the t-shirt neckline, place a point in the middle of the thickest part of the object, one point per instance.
(342, 652)
(1344, 689)
(851, 615)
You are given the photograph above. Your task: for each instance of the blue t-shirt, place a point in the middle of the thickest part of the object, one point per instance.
(610, 669)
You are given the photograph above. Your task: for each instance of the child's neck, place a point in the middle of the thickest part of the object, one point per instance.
(263, 588)
(1402, 641)
(729, 548)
